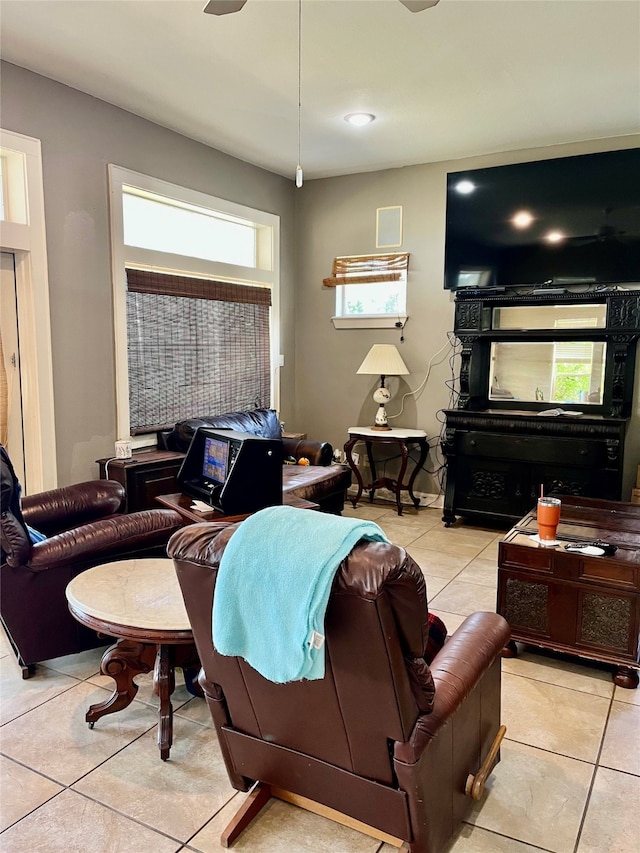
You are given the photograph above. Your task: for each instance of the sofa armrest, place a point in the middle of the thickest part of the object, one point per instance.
(163, 437)
(107, 537)
(72, 506)
(317, 452)
(456, 670)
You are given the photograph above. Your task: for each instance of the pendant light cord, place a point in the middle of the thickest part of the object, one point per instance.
(299, 166)
(299, 71)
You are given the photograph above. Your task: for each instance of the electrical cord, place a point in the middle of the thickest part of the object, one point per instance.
(454, 347)
(106, 466)
(420, 387)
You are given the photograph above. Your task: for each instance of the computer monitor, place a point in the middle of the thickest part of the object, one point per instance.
(216, 459)
(233, 472)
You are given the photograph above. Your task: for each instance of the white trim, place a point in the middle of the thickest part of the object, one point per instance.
(369, 321)
(29, 245)
(266, 273)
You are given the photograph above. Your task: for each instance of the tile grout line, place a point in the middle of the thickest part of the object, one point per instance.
(511, 838)
(596, 766)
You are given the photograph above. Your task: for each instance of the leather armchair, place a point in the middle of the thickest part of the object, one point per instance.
(85, 526)
(398, 744)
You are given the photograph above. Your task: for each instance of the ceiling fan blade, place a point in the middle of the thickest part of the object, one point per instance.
(419, 5)
(223, 7)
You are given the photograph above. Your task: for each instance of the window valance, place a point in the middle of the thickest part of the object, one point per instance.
(169, 284)
(365, 269)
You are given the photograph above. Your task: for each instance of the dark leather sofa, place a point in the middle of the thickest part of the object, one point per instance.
(385, 737)
(85, 526)
(320, 481)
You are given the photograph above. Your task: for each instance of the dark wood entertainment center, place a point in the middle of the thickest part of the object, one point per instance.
(498, 448)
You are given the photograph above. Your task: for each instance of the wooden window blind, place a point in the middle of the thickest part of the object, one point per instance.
(195, 347)
(365, 269)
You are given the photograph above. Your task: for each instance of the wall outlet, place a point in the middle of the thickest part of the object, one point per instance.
(356, 458)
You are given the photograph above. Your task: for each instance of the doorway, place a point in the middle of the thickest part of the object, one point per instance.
(11, 422)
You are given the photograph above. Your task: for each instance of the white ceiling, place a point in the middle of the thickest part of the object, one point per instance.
(466, 77)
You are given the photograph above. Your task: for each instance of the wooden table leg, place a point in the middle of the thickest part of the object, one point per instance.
(626, 676)
(347, 449)
(122, 662)
(399, 482)
(424, 450)
(372, 467)
(164, 683)
(510, 650)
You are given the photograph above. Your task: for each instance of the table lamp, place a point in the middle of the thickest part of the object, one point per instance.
(383, 359)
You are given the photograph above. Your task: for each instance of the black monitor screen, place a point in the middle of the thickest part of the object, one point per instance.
(216, 459)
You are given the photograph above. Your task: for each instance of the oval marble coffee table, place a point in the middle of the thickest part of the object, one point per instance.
(138, 601)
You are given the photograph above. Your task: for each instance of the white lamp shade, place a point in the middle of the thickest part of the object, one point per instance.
(383, 360)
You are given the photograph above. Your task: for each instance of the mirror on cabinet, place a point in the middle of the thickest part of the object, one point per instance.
(530, 317)
(559, 372)
(536, 352)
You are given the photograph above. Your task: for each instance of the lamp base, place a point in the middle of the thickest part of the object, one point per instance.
(381, 428)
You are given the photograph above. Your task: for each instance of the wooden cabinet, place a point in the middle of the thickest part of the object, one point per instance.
(522, 355)
(569, 602)
(146, 475)
(497, 460)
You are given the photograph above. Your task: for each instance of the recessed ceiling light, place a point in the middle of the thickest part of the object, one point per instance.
(360, 119)
(522, 219)
(465, 187)
(554, 237)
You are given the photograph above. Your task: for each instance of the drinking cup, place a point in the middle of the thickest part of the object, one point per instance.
(548, 518)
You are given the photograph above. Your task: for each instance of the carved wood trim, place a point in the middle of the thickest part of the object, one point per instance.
(535, 425)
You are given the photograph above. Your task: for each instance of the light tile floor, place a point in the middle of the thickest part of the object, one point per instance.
(568, 782)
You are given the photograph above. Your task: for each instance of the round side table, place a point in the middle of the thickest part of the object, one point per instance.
(138, 601)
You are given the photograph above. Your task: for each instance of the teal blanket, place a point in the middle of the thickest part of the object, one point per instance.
(273, 586)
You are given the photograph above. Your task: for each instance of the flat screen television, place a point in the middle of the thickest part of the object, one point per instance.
(549, 223)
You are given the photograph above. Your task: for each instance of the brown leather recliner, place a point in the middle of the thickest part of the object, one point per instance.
(383, 738)
(85, 526)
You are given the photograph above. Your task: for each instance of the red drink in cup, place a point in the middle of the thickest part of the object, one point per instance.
(548, 518)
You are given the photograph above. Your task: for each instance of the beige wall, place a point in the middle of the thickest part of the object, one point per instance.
(337, 216)
(80, 135)
(321, 393)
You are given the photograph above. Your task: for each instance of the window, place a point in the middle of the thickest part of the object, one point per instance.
(578, 366)
(578, 371)
(196, 304)
(151, 222)
(371, 289)
(195, 347)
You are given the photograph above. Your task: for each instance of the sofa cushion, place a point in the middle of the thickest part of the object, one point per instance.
(263, 422)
